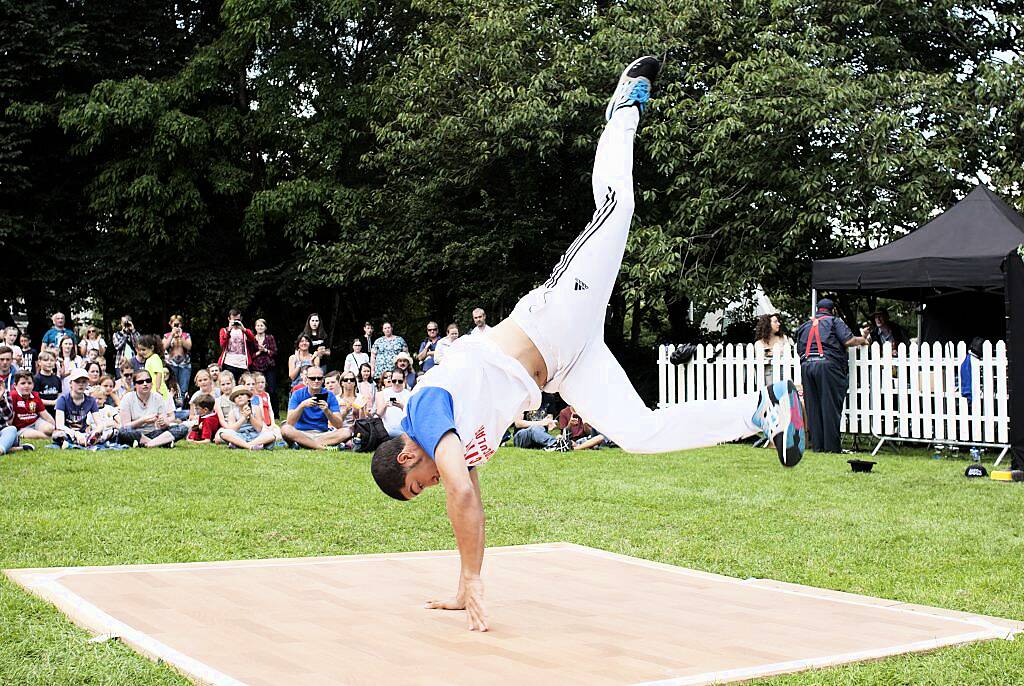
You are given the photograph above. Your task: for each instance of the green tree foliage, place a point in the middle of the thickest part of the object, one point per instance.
(414, 159)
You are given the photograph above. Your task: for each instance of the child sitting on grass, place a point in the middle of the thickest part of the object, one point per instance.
(76, 414)
(244, 428)
(226, 381)
(30, 415)
(206, 423)
(47, 382)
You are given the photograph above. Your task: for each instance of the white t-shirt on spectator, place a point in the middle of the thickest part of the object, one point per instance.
(137, 410)
(479, 329)
(354, 361)
(393, 416)
(442, 348)
(234, 354)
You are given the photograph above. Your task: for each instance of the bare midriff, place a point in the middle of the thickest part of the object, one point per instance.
(514, 342)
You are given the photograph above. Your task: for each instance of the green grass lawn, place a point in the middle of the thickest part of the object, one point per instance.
(915, 530)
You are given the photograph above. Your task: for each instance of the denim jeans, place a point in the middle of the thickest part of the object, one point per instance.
(8, 439)
(183, 374)
(532, 437)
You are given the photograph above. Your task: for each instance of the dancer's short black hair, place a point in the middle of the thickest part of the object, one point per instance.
(387, 472)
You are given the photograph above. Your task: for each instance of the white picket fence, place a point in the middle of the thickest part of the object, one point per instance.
(911, 395)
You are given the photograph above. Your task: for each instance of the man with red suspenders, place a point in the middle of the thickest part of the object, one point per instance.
(824, 365)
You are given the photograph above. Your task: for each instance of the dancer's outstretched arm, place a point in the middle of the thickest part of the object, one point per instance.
(466, 513)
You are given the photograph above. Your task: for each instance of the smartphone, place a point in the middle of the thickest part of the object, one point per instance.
(321, 396)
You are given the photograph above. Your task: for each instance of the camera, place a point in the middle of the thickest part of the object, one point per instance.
(236, 322)
(321, 397)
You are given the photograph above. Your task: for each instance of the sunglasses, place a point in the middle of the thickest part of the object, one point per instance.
(348, 380)
(143, 381)
(431, 329)
(393, 380)
(314, 378)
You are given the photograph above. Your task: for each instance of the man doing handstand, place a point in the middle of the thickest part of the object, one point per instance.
(553, 341)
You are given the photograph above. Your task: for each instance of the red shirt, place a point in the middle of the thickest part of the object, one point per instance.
(206, 429)
(264, 399)
(26, 410)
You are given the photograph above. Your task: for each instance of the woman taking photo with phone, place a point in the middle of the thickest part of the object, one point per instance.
(178, 352)
(235, 343)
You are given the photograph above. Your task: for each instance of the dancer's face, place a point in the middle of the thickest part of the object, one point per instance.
(423, 472)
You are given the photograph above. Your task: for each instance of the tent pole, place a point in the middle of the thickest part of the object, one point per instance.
(814, 299)
(919, 308)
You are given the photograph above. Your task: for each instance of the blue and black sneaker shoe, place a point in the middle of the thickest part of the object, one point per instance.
(781, 420)
(634, 88)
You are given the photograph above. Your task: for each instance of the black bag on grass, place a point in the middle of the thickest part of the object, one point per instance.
(370, 433)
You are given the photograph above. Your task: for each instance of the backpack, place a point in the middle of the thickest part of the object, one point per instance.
(369, 433)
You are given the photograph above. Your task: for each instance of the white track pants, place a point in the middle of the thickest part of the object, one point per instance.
(564, 318)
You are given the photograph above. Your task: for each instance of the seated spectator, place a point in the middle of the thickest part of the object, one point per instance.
(31, 418)
(92, 341)
(10, 339)
(357, 358)
(577, 428)
(204, 385)
(205, 425)
(29, 355)
(177, 345)
(332, 383)
(151, 350)
(261, 403)
(125, 343)
(533, 433)
(313, 421)
(94, 372)
(245, 428)
(125, 383)
(47, 383)
(350, 402)
(403, 363)
(106, 387)
(147, 417)
(446, 342)
(391, 403)
(8, 432)
(301, 359)
(367, 387)
(68, 360)
(176, 397)
(7, 368)
(227, 384)
(75, 414)
(108, 416)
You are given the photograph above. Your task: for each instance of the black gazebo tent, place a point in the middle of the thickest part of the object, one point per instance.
(952, 264)
(961, 249)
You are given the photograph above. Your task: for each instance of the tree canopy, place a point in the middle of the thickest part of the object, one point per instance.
(411, 160)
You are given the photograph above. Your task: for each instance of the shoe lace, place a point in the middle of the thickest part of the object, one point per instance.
(641, 91)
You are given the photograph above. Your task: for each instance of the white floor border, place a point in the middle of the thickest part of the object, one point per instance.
(46, 584)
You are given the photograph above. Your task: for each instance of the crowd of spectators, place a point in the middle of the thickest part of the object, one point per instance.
(149, 397)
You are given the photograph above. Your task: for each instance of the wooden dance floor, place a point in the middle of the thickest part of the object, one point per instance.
(559, 614)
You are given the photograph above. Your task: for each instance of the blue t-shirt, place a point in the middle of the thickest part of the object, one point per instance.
(312, 418)
(428, 417)
(76, 416)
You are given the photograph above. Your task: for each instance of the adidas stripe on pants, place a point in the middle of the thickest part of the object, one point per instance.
(564, 318)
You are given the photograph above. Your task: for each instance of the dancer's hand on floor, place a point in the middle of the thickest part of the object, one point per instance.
(469, 598)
